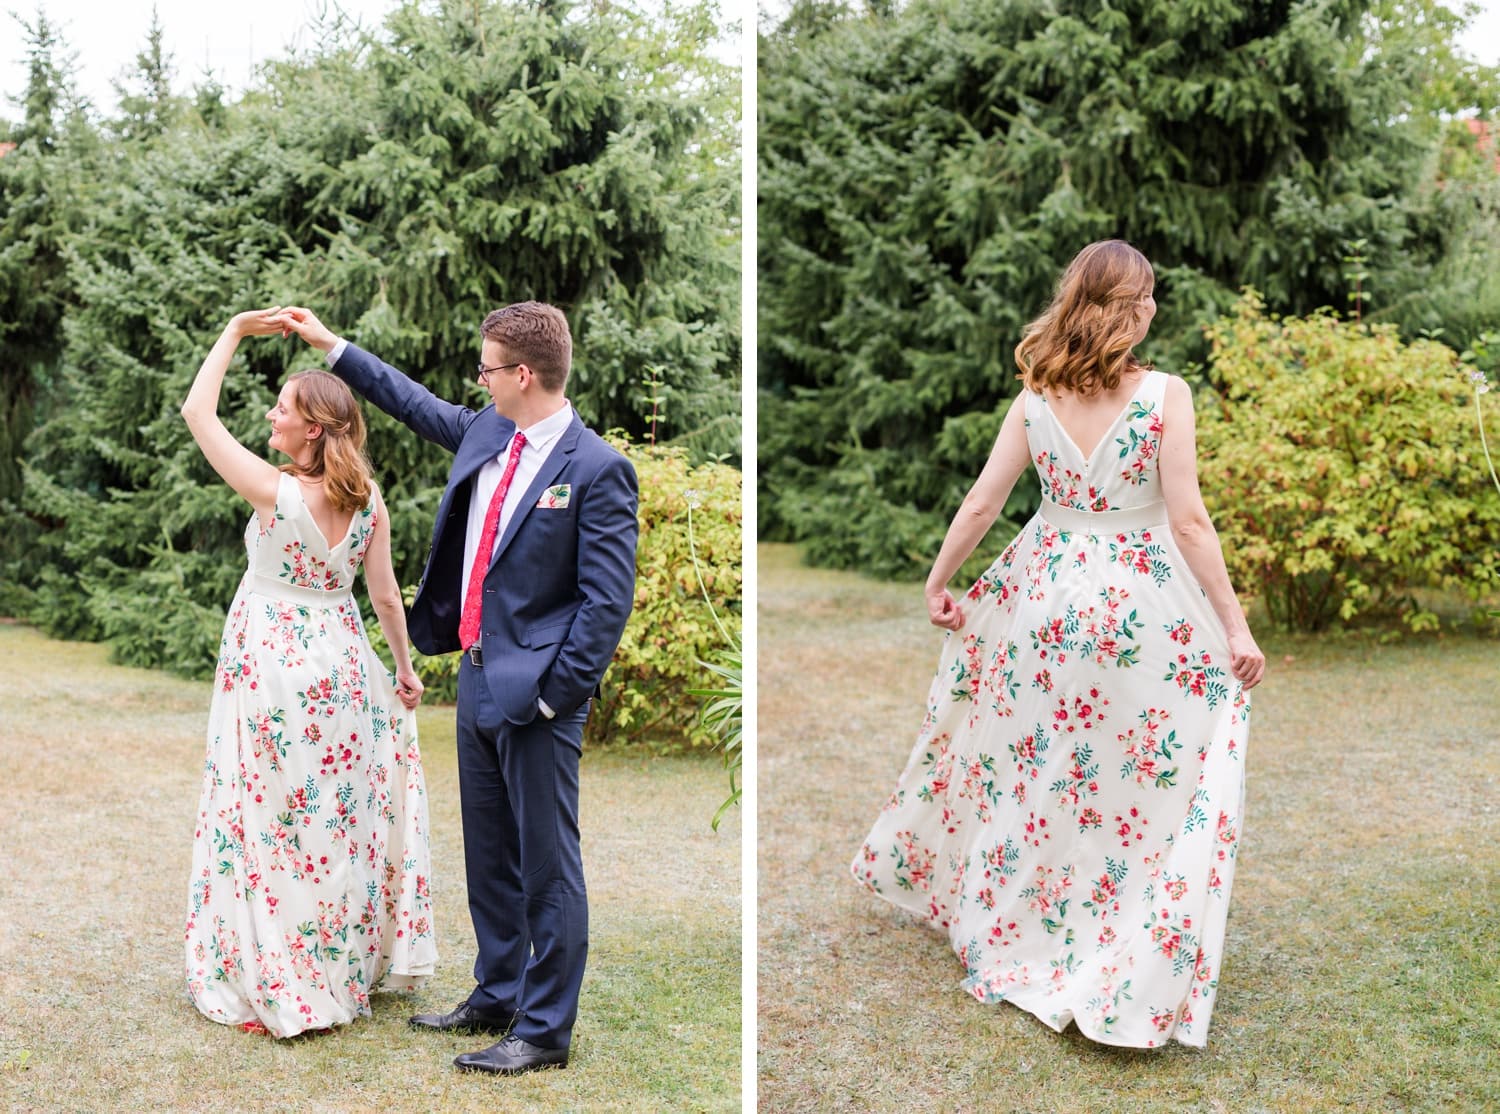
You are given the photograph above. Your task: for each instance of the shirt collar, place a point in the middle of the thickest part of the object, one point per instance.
(544, 432)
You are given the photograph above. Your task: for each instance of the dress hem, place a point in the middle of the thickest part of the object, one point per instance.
(1073, 1021)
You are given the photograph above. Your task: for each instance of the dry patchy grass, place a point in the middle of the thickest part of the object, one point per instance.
(101, 765)
(1361, 972)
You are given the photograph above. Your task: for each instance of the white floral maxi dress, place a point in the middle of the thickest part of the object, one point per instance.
(311, 860)
(1070, 813)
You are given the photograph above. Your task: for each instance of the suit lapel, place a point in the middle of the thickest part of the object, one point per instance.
(480, 447)
(482, 442)
(555, 463)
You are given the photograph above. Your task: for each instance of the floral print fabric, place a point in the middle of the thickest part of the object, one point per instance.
(311, 862)
(1070, 814)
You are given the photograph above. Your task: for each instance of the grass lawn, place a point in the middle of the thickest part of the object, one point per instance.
(1363, 962)
(101, 766)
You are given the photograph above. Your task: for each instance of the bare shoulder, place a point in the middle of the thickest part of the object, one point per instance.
(1176, 392)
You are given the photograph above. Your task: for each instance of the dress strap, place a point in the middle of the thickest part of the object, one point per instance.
(1155, 386)
(1035, 413)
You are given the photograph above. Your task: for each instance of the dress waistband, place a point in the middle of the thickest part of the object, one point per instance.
(275, 588)
(1104, 522)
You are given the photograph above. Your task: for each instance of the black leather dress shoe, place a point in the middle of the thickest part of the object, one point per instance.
(465, 1019)
(512, 1056)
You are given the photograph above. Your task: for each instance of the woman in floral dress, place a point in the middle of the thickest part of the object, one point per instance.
(311, 859)
(1070, 814)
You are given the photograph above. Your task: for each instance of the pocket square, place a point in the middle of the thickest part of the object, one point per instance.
(555, 498)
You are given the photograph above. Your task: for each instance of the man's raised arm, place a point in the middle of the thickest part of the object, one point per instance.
(400, 396)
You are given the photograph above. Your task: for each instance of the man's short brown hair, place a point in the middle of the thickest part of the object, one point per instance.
(535, 334)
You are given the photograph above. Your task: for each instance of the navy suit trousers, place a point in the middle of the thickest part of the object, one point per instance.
(519, 791)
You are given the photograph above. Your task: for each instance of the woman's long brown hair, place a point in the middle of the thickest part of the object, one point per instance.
(1082, 343)
(339, 455)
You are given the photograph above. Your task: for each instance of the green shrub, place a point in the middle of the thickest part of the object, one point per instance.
(403, 183)
(647, 698)
(724, 714)
(646, 692)
(928, 167)
(1342, 468)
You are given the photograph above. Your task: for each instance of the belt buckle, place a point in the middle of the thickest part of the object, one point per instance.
(476, 656)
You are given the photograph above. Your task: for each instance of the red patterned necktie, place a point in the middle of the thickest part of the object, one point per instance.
(468, 626)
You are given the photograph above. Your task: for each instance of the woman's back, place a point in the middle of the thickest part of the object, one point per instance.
(1099, 452)
(294, 547)
(332, 522)
(1087, 418)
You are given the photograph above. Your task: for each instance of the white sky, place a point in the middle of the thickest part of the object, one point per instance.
(106, 35)
(228, 36)
(1481, 38)
(231, 36)
(1481, 41)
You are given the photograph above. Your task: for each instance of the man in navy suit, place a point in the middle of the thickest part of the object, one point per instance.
(531, 575)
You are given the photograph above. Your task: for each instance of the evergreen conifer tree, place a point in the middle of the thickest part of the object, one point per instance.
(927, 171)
(147, 104)
(43, 182)
(402, 186)
(47, 70)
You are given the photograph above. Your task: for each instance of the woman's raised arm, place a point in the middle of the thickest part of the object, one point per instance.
(253, 477)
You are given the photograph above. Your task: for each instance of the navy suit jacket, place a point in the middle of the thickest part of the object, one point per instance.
(561, 581)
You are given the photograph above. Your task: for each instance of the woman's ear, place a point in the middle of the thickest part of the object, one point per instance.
(314, 431)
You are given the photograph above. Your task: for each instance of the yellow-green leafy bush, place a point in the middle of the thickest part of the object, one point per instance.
(1342, 468)
(645, 698)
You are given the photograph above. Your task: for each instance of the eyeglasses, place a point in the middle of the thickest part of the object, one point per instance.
(485, 371)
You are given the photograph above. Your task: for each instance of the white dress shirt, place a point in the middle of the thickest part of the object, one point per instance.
(541, 438)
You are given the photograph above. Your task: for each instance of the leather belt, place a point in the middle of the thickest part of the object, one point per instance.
(475, 656)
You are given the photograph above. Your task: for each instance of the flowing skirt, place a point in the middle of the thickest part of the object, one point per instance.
(1070, 814)
(311, 861)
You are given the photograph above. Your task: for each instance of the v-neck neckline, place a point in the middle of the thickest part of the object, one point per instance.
(312, 518)
(1088, 459)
